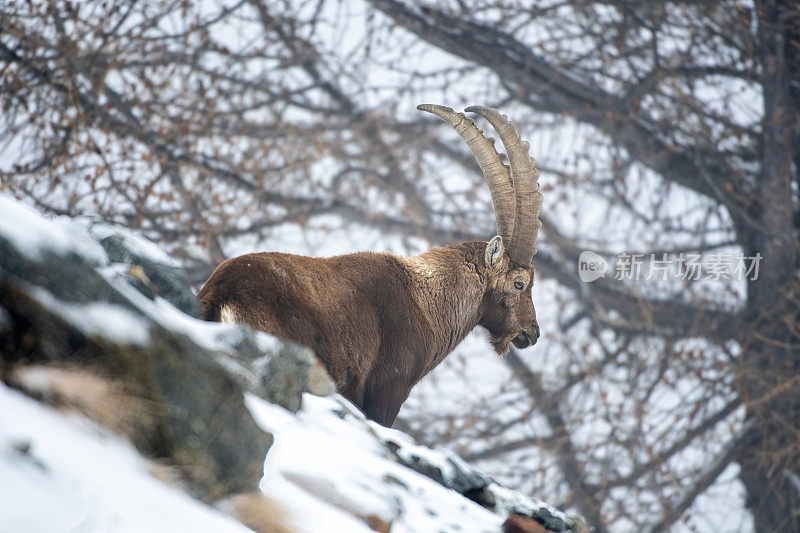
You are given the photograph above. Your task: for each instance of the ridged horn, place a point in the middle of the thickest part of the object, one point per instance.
(525, 176)
(495, 172)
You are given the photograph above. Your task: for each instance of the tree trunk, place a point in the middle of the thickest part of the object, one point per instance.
(769, 374)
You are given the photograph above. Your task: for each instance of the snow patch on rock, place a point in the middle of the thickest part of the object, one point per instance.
(35, 235)
(102, 319)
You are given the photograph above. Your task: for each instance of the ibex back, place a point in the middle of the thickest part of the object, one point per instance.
(380, 322)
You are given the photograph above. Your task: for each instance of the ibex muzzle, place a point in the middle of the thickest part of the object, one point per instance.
(380, 322)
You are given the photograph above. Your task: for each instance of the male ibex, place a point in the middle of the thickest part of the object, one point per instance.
(380, 322)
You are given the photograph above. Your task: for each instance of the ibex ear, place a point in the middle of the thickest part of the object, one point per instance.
(494, 251)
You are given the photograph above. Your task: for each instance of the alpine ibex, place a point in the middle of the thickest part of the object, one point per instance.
(380, 322)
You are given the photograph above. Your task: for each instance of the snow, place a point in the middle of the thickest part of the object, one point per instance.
(328, 466)
(447, 462)
(329, 452)
(35, 235)
(102, 319)
(206, 334)
(77, 477)
(132, 241)
(212, 335)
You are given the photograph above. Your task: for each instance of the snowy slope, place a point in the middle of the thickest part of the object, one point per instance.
(328, 453)
(64, 473)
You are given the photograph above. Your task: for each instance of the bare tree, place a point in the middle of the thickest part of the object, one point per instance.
(651, 79)
(665, 127)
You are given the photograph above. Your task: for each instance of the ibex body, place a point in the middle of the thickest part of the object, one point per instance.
(380, 322)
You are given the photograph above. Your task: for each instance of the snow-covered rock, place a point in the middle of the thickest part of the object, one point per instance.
(162, 275)
(126, 404)
(328, 451)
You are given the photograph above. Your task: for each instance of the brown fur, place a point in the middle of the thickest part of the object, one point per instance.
(378, 322)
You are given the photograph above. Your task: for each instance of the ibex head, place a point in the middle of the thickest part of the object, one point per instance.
(508, 312)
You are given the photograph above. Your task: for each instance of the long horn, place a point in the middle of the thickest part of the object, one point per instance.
(526, 184)
(495, 173)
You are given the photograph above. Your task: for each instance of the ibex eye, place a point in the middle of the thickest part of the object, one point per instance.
(519, 285)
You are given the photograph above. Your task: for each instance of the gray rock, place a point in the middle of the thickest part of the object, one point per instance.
(159, 279)
(276, 370)
(449, 470)
(285, 375)
(59, 309)
(279, 372)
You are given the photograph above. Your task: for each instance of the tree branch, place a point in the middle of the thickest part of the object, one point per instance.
(552, 89)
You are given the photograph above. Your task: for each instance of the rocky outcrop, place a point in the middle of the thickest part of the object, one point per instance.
(89, 306)
(150, 271)
(449, 470)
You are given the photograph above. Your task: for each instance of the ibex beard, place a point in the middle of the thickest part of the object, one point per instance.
(380, 322)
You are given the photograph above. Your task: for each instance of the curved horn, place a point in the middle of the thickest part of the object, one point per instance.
(494, 171)
(526, 184)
